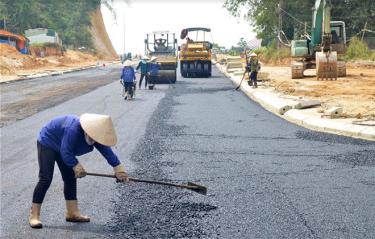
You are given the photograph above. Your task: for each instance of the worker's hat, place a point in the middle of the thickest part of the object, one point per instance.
(153, 58)
(99, 128)
(253, 54)
(145, 58)
(127, 63)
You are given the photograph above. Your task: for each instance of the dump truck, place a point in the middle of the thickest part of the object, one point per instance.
(195, 55)
(163, 45)
(321, 49)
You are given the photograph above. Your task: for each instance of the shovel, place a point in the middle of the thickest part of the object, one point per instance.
(243, 76)
(191, 186)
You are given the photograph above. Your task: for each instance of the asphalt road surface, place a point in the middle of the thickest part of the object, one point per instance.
(20, 99)
(266, 178)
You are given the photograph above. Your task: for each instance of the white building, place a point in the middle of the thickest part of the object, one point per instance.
(43, 35)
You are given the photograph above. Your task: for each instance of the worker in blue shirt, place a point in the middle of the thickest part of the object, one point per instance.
(60, 141)
(128, 78)
(153, 72)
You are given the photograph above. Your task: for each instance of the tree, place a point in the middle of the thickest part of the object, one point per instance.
(263, 16)
(242, 43)
(71, 19)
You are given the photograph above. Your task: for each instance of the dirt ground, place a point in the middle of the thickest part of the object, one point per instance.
(13, 63)
(355, 93)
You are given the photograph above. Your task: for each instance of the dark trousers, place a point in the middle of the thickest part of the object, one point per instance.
(46, 159)
(143, 75)
(129, 87)
(253, 78)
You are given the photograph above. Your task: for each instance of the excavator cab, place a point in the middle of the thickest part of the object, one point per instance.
(338, 33)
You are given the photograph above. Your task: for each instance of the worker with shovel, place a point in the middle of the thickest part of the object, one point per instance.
(253, 67)
(60, 141)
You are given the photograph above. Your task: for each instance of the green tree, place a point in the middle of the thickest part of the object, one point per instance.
(71, 19)
(263, 16)
(242, 43)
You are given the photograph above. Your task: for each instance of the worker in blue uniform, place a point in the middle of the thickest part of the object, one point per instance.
(60, 141)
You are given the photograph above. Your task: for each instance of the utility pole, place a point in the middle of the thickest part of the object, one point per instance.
(280, 25)
(363, 31)
(124, 33)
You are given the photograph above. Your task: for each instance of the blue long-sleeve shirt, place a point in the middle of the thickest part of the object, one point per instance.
(65, 135)
(154, 69)
(128, 74)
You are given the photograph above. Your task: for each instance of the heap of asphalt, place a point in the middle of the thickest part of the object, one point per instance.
(153, 211)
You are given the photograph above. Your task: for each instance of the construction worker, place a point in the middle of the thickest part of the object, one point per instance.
(143, 65)
(60, 141)
(153, 71)
(128, 78)
(253, 66)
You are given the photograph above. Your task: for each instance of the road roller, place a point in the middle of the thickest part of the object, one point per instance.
(162, 46)
(195, 54)
(322, 48)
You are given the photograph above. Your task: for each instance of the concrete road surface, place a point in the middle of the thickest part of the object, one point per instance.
(266, 178)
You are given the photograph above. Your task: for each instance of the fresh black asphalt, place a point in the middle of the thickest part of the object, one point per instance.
(266, 178)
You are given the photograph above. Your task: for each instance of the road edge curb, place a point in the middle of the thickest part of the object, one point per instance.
(299, 118)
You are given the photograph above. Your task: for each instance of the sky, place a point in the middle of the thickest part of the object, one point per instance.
(135, 18)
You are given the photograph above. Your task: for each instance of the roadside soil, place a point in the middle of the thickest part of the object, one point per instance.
(355, 93)
(14, 64)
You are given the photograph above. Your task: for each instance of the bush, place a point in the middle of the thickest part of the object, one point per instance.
(272, 54)
(358, 50)
(372, 56)
(260, 51)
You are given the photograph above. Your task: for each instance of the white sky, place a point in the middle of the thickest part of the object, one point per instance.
(145, 16)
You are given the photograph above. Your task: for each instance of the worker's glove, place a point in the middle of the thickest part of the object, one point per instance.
(120, 174)
(79, 171)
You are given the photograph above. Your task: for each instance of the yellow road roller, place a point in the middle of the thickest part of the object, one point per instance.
(195, 54)
(162, 45)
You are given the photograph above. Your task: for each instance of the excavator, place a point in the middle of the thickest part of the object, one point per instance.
(320, 49)
(195, 54)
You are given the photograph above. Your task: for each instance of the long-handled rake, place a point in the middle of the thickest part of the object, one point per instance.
(191, 186)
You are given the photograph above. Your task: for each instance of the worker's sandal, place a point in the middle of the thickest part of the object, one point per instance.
(73, 214)
(34, 217)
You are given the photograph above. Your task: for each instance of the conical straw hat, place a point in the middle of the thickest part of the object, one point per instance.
(127, 63)
(99, 128)
(153, 58)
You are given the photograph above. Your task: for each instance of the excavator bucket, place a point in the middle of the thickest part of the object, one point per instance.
(326, 65)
